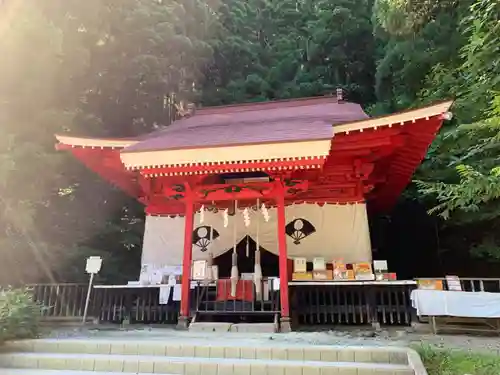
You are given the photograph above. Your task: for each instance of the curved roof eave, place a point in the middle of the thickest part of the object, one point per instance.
(396, 118)
(95, 142)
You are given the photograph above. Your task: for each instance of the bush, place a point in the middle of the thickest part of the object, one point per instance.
(19, 315)
(447, 362)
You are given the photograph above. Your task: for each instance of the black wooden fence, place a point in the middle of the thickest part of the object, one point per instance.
(310, 304)
(352, 304)
(135, 305)
(60, 300)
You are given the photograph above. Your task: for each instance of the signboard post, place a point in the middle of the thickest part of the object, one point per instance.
(92, 267)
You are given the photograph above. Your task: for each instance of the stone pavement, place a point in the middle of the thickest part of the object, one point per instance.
(343, 336)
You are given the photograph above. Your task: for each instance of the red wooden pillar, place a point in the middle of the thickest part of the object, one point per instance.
(283, 264)
(186, 265)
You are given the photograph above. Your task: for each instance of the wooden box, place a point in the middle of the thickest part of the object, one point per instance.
(350, 275)
(430, 284)
(363, 271)
(300, 265)
(323, 275)
(301, 276)
(319, 264)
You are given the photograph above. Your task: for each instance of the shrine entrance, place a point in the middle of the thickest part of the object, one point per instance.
(246, 249)
(215, 302)
(239, 282)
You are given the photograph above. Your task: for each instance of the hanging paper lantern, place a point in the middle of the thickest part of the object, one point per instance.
(226, 217)
(202, 214)
(265, 212)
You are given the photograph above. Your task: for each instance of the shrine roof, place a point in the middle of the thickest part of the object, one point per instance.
(332, 145)
(259, 123)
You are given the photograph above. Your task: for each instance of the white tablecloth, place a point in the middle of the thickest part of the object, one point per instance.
(458, 304)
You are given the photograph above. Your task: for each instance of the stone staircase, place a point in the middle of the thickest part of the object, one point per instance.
(118, 356)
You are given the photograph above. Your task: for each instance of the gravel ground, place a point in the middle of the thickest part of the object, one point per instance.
(340, 336)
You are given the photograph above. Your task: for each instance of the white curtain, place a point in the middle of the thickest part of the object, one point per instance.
(328, 231)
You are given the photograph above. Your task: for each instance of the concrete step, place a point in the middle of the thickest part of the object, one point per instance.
(194, 365)
(10, 371)
(362, 354)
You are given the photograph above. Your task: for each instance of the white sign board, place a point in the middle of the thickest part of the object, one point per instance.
(454, 283)
(380, 266)
(93, 265)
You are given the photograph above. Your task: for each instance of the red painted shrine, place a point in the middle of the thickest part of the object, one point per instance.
(323, 156)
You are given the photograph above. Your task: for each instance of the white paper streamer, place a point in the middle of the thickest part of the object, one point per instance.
(226, 217)
(265, 212)
(202, 214)
(246, 217)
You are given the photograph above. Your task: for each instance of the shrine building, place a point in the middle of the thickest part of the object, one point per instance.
(246, 204)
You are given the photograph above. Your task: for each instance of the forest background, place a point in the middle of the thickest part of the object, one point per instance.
(108, 67)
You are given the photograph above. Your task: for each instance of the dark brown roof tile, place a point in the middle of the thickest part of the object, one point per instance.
(280, 121)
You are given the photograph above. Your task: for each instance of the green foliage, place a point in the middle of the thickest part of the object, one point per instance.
(406, 17)
(435, 50)
(470, 194)
(19, 315)
(418, 37)
(287, 49)
(444, 362)
(109, 68)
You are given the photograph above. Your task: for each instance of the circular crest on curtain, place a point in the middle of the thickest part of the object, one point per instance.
(201, 237)
(299, 229)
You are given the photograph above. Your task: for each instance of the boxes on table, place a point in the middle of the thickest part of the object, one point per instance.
(302, 276)
(319, 270)
(323, 275)
(300, 270)
(339, 270)
(343, 271)
(430, 284)
(319, 264)
(363, 271)
(380, 269)
(391, 276)
(299, 265)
